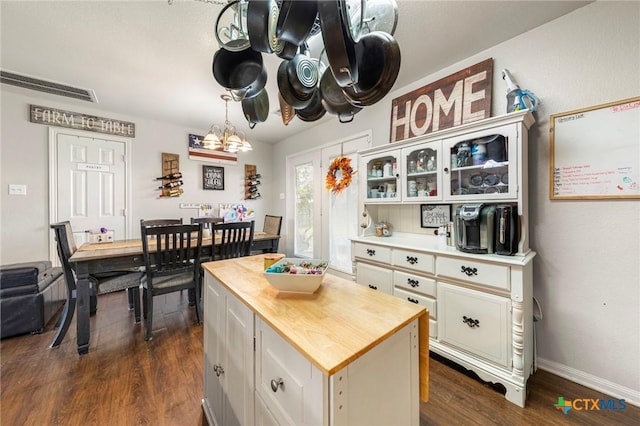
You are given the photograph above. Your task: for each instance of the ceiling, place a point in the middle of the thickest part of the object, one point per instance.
(152, 59)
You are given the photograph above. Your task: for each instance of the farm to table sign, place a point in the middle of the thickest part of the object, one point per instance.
(462, 97)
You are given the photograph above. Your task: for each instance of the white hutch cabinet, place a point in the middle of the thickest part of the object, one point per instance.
(480, 305)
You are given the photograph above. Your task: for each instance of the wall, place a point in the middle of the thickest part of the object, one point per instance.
(24, 159)
(586, 272)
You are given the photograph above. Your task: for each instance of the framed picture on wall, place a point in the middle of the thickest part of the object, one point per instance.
(213, 178)
(434, 216)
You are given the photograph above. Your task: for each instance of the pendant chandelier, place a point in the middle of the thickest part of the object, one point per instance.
(228, 138)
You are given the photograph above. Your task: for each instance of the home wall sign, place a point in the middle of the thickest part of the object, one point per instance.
(75, 120)
(462, 97)
(595, 152)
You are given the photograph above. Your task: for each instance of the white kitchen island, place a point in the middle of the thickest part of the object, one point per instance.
(343, 355)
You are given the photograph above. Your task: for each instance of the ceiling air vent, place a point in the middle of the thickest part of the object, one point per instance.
(50, 87)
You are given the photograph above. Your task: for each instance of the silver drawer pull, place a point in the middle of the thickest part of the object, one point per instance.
(277, 383)
(412, 282)
(371, 252)
(471, 322)
(469, 270)
(412, 260)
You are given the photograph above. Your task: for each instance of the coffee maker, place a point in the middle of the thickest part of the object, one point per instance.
(474, 228)
(506, 228)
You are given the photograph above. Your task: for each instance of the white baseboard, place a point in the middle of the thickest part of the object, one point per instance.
(630, 396)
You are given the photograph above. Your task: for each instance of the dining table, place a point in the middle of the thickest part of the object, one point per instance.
(94, 258)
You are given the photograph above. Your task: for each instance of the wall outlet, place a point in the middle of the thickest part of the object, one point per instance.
(282, 195)
(17, 189)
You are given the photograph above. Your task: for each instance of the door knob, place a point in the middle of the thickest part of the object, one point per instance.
(276, 383)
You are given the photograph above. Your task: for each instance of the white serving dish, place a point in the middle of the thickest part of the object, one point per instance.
(296, 283)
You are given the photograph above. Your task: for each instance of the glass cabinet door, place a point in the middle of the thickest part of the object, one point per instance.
(421, 180)
(383, 170)
(481, 165)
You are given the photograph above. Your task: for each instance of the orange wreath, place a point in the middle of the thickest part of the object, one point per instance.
(342, 164)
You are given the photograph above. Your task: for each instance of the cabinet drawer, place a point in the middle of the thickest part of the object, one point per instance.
(290, 386)
(419, 299)
(474, 271)
(263, 416)
(416, 283)
(374, 277)
(422, 262)
(475, 321)
(373, 252)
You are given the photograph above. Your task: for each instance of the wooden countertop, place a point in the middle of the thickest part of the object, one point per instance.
(332, 327)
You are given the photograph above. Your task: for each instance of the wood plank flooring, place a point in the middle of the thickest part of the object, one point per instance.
(127, 381)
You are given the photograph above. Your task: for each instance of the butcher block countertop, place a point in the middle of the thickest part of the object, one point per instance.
(332, 327)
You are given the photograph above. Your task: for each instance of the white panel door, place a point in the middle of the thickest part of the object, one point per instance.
(91, 190)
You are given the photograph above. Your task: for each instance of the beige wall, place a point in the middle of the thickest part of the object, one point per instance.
(587, 271)
(24, 153)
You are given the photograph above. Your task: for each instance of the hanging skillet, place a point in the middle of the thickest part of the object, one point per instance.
(256, 109)
(289, 94)
(334, 101)
(262, 17)
(338, 45)
(378, 56)
(236, 70)
(296, 20)
(231, 27)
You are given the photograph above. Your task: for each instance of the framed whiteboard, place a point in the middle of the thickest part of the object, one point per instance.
(595, 152)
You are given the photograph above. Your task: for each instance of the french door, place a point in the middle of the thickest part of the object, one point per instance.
(323, 222)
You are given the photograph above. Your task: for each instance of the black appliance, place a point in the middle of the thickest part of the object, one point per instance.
(506, 230)
(475, 228)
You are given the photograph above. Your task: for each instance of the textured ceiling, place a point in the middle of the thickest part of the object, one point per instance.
(153, 59)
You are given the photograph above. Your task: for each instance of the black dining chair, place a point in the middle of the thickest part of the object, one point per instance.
(208, 225)
(172, 263)
(100, 283)
(233, 239)
(160, 222)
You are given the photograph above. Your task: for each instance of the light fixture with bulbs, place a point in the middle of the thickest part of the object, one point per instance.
(227, 138)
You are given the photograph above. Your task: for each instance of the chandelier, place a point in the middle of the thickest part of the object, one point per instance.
(228, 138)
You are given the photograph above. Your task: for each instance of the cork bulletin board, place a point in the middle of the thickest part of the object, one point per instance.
(595, 152)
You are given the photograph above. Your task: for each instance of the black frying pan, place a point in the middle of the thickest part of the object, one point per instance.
(253, 89)
(289, 94)
(378, 56)
(333, 99)
(260, 15)
(296, 19)
(236, 70)
(256, 109)
(314, 111)
(338, 45)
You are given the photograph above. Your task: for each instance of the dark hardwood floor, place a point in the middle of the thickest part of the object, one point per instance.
(127, 381)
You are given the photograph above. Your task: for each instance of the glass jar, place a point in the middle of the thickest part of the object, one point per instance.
(421, 161)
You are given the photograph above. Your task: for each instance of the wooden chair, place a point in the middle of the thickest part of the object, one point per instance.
(235, 239)
(272, 224)
(101, 283)
(172, 263)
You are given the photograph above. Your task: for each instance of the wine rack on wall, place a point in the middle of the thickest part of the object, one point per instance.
(251, 182)
(171, 177)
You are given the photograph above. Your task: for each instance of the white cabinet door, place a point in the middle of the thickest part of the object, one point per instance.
(214, 308)
(482, 165)
(380, 175)
(476, 322)
(421, 178)
(238, 365)
(228, 367)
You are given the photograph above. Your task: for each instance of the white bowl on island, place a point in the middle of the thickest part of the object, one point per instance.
(294, 275)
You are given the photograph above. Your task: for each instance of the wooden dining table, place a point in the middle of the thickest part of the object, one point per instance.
(94, 258)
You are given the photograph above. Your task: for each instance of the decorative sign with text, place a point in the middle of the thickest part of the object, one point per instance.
(75, 120)
(460, 98)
